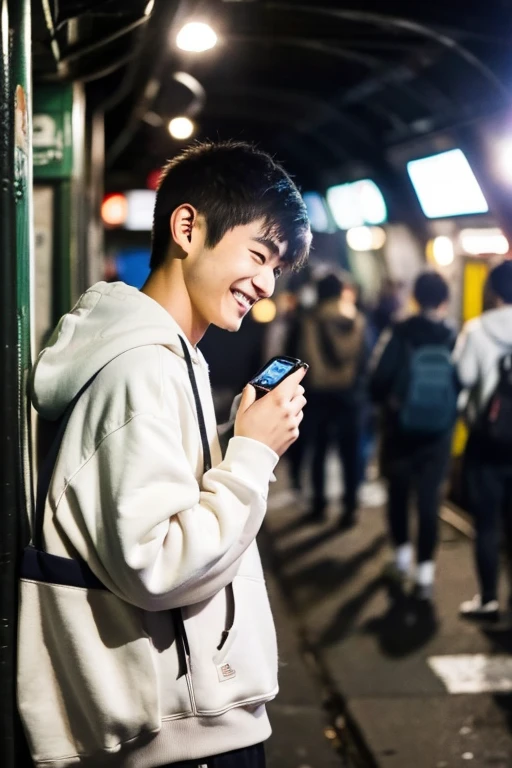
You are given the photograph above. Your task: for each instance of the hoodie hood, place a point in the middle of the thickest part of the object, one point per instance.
(497, 323)
(107, 320)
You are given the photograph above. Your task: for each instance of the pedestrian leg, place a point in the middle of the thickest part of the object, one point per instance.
(430, 472)
(348, 438)
(486, 499)
(399, 491)
(507, 531)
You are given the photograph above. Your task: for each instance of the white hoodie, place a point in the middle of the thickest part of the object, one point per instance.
(481, 344)
(128, 496)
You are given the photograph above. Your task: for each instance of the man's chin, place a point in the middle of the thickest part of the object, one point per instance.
(230, 325)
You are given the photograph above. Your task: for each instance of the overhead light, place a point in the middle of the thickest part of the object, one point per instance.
(196, 37)
(181, 128)
(366, 238)
(114, 210)
(149, 8)
(445, 185)
(502, 151)
(443, 251)
(477, 242)
(357, 203)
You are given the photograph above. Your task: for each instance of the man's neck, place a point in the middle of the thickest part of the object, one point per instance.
(167, 287)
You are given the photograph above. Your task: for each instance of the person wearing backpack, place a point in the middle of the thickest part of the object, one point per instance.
(483, 356)
(414, 380)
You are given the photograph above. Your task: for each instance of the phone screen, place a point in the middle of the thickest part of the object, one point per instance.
(273, 374)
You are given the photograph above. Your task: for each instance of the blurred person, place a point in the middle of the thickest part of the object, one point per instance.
(353, 293)
(414, 380)
(164, 652)
(332, 338)
(387, 309)
(304, 299)
(483, 357)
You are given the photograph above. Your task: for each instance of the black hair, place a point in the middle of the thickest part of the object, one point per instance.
(500, 281)
(329, 287)
(431, 290)
(231, 184)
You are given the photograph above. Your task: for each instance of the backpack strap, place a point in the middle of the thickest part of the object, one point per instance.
(207, 459)
(46, 471)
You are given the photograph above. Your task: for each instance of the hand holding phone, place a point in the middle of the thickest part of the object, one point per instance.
(273, 419)
(274, 372)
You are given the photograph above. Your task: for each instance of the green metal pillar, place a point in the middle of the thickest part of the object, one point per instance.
(15, 229)
(8, 405)
(22, 81)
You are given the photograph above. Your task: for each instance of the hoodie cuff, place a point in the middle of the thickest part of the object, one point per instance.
(251, 460)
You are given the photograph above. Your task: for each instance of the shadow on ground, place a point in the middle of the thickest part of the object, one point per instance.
(406, 626)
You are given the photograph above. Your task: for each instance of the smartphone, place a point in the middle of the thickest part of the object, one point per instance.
(273, 373)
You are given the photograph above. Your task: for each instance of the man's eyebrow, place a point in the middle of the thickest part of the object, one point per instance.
(268, 243)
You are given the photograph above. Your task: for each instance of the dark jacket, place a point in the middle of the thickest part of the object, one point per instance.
(391, 361)
(392, 353)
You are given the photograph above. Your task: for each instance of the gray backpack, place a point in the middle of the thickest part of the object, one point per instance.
(429, 396)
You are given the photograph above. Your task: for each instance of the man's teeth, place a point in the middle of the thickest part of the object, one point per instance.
(242, 297)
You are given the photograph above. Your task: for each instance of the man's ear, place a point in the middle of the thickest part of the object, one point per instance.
(182, 223)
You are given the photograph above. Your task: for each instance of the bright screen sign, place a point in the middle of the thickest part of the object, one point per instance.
(317, 212)
(446, 185)
(356, 204)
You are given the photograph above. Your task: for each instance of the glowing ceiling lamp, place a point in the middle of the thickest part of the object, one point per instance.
(366, 238)
(181, 128)
(196, 37)
(446, 185)
(442, 251)
(503, 160)
(478, 242)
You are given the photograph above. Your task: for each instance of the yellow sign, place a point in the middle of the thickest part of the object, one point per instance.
(475, 276)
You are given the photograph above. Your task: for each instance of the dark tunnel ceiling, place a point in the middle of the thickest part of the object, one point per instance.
(327, 86)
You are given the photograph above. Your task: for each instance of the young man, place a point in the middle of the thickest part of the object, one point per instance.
(412, 456)
(172, 662)
(482, 345)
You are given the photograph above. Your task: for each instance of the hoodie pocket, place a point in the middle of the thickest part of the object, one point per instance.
(87, 680)
(232, 663)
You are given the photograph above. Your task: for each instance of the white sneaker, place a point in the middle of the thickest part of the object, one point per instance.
(474, 609)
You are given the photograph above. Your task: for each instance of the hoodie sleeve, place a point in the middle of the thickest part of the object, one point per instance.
(466, 359)
(161, 540)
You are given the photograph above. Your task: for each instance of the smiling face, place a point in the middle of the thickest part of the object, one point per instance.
(224, 282)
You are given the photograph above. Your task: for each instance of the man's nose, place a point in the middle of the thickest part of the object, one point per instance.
(264, 283)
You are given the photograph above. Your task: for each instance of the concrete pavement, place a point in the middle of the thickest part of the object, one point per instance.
(378, 650)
